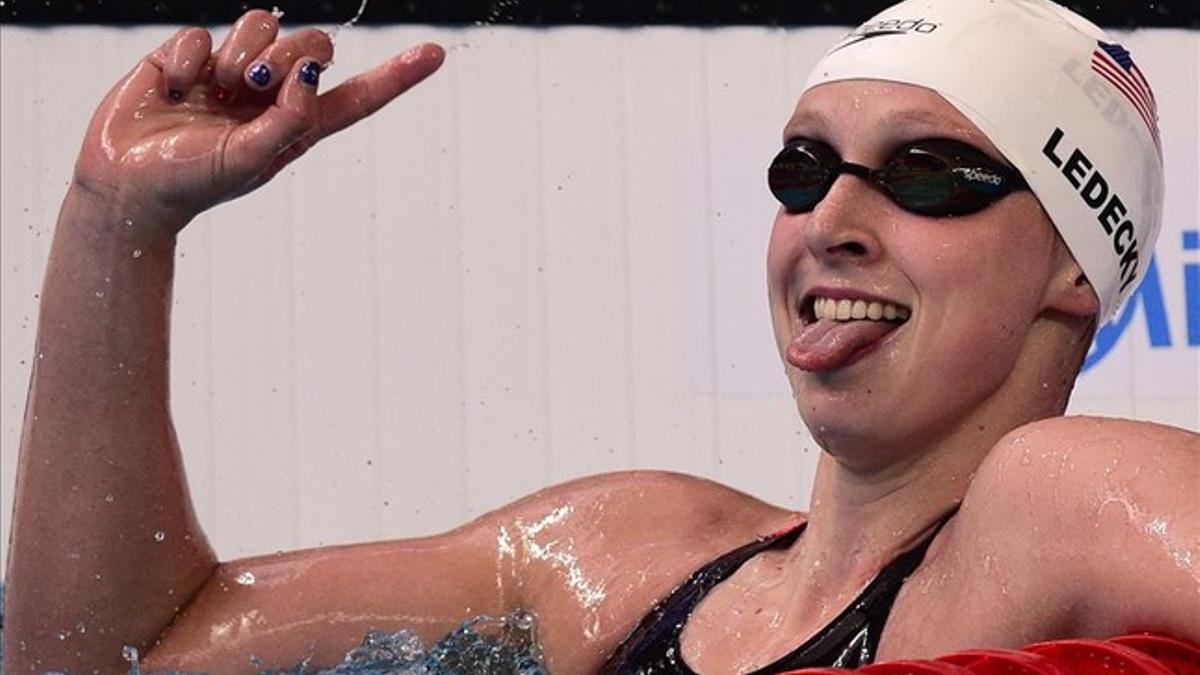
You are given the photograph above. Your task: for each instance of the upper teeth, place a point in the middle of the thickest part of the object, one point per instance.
(846, 310)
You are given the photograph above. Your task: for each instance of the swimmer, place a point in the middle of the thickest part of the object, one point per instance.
(936, 270)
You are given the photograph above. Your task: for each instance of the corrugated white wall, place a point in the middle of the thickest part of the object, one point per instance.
(544, 262)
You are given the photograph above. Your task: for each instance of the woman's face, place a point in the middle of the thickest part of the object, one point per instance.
(971, 286)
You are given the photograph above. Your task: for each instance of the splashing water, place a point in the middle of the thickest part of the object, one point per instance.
(485, 645)
(480, 646)
(333, 34)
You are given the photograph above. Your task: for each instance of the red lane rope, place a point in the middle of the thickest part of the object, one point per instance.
(1005, 662)
(1097, 657)
(914, 668)
(1138, 654)
(1180, 657)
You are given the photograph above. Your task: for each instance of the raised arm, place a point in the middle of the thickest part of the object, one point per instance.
(105, 546)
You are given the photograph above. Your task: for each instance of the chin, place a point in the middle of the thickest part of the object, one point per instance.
(858, 424)
(841, 424)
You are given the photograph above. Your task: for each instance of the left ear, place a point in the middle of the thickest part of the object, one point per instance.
(1069, 290)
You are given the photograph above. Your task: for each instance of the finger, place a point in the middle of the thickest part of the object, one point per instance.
(286, 124)
(248, 38)
(363, 94)
(185, 60)
(280, 56)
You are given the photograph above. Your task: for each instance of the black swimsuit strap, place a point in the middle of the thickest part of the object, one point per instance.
(656, 637)
(849, 641)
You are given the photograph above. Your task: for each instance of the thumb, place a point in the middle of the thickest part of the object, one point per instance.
(280, 129)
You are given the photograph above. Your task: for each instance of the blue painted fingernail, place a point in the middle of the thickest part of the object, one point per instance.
(260, 74)
(310, 73)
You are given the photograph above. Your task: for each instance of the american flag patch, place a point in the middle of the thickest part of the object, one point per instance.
(1115, 64)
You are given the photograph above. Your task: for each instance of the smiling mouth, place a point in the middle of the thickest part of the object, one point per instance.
(817, 308)
(837, 332)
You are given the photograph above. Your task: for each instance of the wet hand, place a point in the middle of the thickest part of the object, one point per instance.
(188, 128)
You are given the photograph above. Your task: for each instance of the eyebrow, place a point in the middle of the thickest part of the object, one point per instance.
(807, 121)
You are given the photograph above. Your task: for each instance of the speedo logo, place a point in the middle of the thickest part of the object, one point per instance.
(1097, 194)
(875, 29)
(979, 176)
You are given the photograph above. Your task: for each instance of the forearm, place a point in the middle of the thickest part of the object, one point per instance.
(105, 545)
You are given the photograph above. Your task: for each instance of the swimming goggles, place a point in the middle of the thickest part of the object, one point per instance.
(932, 177)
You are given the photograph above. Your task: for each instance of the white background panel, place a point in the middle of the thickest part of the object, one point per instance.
(545, 262)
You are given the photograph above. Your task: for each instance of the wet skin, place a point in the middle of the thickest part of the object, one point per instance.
(946, 409)
(997, 282)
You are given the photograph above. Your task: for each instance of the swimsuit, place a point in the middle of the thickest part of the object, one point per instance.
(849, 641)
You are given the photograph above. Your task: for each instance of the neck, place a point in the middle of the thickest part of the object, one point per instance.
(876, 493)
(875, 497)
(868, 507)
(858, 522)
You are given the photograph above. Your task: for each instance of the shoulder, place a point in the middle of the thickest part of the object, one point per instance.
(1087, 458)
(593, 555)
(1069, 469)
(650, 504)
(1106, 510)
(1102, 435)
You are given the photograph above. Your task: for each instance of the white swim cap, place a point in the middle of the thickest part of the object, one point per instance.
(1063, 102)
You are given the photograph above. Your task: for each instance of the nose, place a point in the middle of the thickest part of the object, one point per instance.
(842, 229)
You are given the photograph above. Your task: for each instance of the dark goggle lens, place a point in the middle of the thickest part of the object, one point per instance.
(921, 182)
(950, 180)
(937, 178)
(800, 175)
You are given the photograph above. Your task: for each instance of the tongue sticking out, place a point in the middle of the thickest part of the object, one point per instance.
(826, 344)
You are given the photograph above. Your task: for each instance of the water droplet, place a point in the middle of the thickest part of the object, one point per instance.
(130, 654)
(108, 498)
(137, 252)
(245, 578)
(523, 620)
(128, 222)
(99, 294)
(160, 536)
